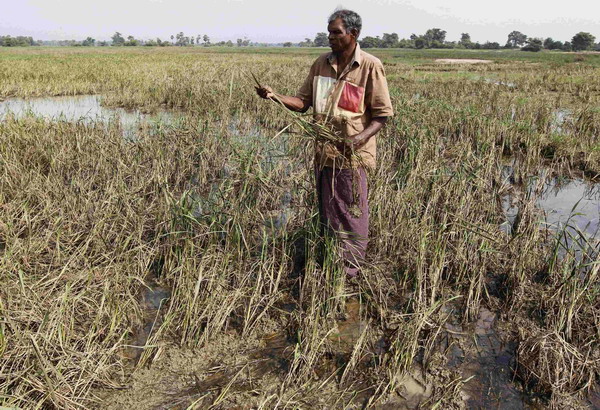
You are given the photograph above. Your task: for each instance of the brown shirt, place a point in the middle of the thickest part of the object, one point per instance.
(348, 101)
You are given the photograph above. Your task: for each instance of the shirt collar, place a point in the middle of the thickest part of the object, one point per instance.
(357, 58)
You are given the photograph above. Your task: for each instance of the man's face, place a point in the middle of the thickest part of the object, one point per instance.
(339, 38)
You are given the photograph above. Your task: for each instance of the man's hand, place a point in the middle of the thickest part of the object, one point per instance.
(265, 92)
(291, 103)
(352, 143)
(355, 142)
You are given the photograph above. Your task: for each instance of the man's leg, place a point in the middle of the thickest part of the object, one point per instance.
(344, 207)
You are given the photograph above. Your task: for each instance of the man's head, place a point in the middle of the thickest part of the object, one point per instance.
(344, 28)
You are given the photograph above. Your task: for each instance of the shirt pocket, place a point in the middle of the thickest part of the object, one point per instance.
(351, 97)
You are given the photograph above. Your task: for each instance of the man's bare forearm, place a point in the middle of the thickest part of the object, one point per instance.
(291, 103)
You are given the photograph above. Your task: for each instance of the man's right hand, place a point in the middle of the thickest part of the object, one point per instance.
(265, 92)
(291, 103)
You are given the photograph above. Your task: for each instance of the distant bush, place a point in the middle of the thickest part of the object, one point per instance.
(583, 41)
(491, 45)
(533, 44)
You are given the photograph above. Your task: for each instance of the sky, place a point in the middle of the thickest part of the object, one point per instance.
(280, 21)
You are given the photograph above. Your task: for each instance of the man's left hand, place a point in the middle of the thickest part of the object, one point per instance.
(352, 143)
(357, 141)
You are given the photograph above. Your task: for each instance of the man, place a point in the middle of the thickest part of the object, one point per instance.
(348, 91)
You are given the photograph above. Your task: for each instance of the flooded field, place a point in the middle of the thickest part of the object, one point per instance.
(86, 109)
(564, 203)
(160, 245)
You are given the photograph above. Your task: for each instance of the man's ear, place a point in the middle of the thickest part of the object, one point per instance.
(354, 33)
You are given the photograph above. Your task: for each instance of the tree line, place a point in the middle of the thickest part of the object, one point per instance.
(119, 40)
(179, 39)
(433, 38)
(436, 38)
(20, 41)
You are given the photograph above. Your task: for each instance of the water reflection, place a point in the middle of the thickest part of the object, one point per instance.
(572, 202)
(494, 81)
(87, 109)
(153, 300)
(562, 119)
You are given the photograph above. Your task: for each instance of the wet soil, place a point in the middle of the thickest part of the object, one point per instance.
(247, 370)
(486, 363)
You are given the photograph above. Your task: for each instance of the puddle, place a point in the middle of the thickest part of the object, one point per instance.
(244, 130)
(273, 157)
(500, 82)
(487, 363)
(462, 61)
(275, 222)
(570, 203)
(152, 303)
(87, 109)
(561, 120)
(273, 147)
(348, 331)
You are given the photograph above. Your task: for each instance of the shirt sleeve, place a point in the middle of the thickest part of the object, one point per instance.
(377, 95)
(306, 91)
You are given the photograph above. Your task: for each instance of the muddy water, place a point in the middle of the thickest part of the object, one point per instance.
(476, 351)
(485, 362)
(274, 156)
(561, 121)
(153, 301)
(87, 109)
(573, 204)
(479, 352)
(486, 359)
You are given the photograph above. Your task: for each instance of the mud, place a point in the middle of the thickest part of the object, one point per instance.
(180, 376)
(240, 366)
(486, 363)
(248, 370)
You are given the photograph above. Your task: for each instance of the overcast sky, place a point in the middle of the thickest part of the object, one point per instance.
(279, 21)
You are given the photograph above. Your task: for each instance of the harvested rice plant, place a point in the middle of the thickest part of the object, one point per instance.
(160, 247)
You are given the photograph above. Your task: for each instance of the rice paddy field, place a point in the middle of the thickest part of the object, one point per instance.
(160, 247)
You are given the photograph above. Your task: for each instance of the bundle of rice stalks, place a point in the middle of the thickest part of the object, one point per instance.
(318, 128)
(548, 364)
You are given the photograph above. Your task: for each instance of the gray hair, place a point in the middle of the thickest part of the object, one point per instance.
(350, 19)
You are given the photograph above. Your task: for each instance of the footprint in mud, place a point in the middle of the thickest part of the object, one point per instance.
(348, 331)
(413, 392)
(485, 363)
